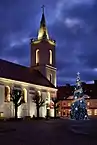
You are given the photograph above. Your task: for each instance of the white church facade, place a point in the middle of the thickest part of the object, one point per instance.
(40, 76)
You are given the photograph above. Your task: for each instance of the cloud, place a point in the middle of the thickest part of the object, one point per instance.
(72, 23)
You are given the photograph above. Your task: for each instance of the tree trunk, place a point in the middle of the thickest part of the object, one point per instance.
(16, 110)
(47, 115)
(54, 110)
(37, 111)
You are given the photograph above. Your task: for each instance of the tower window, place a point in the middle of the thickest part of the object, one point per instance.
(50, 78)
(37, 56)
(50, 58)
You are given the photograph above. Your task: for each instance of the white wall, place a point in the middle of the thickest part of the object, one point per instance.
(23, 110)
(43, 108)
(52, 112)
(26, 109)
(31, 104)
(1, 94)
(2, 99)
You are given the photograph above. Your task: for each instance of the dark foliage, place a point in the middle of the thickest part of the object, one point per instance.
(38, 100)
(17, 97)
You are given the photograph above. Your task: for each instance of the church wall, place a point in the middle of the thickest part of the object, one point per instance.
(8, 109)
(1, 94)
(52, 72)
(1, 99)
(52, 112)
(26, 109)
(43, 108)
(31, 104)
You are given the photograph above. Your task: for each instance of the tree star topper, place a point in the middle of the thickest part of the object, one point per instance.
(78, 73)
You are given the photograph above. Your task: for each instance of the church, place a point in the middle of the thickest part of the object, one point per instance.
(40, 76)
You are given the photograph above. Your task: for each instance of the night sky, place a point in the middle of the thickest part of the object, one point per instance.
(72, 23)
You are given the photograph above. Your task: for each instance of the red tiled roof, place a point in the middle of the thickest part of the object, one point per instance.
(18, 72)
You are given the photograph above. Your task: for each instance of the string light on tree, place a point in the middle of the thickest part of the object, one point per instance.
(78, 106)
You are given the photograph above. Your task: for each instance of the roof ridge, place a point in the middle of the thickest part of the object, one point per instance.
(6, 61)
(45, 78)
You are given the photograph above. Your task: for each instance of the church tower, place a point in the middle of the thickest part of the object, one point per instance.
(43, 52)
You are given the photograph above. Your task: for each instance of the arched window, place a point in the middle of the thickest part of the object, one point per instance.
(50, 78)
(37, 56)
(39, 93)
(7, 94)
(25, 95)
(51, 57)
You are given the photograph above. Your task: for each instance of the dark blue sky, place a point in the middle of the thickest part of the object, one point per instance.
(72, 23)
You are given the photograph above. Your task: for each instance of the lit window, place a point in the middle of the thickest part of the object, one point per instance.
(37, 56)
(1, 114)
(95, 112)
(59, 112)
(7, 94)
(25, 95)
(69, 104)
(88, 103)
(89, 112)
(39, 93)
(50, 59)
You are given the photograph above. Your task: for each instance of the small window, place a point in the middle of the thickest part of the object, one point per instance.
(89, 112)
(51, 57)
(1, 114)
(50, 78)
(37, 56)
(88, 103)
(95, 112)
(69, 104)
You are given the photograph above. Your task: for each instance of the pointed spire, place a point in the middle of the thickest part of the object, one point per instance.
(42, 22)
(43, 9)
(43, 29)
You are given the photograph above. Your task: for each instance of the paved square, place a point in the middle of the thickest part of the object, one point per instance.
(51, 132)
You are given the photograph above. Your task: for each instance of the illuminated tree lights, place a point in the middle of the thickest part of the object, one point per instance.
(78, 106)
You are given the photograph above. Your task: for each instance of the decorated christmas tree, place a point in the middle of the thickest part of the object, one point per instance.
(78, 106)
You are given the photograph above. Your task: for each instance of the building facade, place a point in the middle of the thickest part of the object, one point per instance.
(65, 96)
(39, 77)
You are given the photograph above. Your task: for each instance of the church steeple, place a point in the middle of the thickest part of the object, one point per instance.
(43, 52)
(43, 33)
